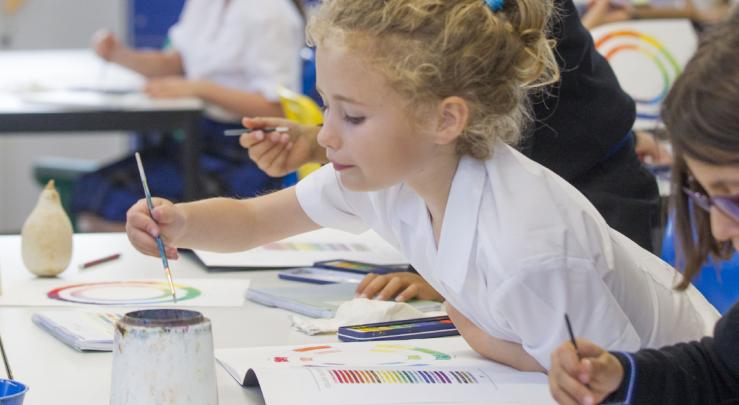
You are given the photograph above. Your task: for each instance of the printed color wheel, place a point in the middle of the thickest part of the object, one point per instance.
(122, 293)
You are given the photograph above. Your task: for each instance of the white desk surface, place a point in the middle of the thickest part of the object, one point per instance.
(27, 75)
(57, 374)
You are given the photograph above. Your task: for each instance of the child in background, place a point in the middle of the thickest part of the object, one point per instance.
(232, 54)
(702, 117)
(420, 114)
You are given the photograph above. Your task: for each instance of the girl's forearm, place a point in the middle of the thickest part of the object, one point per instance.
(501, 351)
(216, 224)
(237, 101)
(230, 225)
(149, 63)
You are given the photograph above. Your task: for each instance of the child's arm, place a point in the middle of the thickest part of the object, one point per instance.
(148, 63)
(238, 101)
(508, 353)
(218, 224)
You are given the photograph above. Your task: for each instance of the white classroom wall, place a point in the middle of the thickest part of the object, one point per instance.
(51, 24)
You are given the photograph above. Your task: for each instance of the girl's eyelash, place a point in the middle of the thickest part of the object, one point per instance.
(353, 120)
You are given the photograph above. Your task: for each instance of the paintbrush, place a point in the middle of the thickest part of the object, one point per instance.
(160, 244)
(5, 360)
(242, 131)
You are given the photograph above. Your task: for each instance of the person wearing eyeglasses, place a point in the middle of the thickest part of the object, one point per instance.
(701, 114)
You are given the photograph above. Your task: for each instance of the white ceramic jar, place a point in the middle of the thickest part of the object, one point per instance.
(163, 356)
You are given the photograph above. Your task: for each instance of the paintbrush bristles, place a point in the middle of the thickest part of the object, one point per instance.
(171, 284)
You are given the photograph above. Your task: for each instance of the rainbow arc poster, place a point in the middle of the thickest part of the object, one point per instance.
(647, 57)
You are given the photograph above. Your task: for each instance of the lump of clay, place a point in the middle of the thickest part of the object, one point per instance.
(46, 238)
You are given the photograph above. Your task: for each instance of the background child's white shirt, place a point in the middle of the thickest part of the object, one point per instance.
(250, 45)
(519, 247)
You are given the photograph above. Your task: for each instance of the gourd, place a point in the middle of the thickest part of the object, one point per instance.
(46, 237)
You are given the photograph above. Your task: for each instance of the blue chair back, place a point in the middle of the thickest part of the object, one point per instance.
(718, 281)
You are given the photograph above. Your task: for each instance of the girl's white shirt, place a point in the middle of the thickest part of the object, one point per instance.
(519, 248)
(247, 45)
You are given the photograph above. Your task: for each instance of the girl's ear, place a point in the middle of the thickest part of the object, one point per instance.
(453, 116)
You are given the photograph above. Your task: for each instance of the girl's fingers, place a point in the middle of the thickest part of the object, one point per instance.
(258, 151)
(375, 286)
(587, 348)
(143, 242)
(573, 388)
(270, 158)
(407, 294)
(390, 290)
(263, 122)
(249, 140)
(604, 373)
(280, 163)
(164, 214)
(143, 222)
(568, 359)
(359, 292)
(562, 397)
(171, 253)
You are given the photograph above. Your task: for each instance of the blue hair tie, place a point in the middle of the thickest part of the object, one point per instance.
(495, 5)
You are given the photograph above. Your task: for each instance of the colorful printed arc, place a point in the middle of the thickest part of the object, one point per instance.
(160, 293)
(649, 46)
(399, 355)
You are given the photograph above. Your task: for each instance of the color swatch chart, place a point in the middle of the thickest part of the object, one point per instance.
(316, 247)
(395, 376)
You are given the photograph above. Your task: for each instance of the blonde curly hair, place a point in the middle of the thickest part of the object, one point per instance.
(429, 50)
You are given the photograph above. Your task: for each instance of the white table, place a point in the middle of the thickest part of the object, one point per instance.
(26, 77)
(57, 374)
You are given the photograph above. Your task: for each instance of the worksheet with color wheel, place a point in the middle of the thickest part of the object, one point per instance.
(423, 371)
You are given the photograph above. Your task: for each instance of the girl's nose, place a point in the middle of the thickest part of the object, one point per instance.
(327, 137)
(723, 227)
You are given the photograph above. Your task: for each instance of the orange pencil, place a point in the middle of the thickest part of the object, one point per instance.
(101, 260)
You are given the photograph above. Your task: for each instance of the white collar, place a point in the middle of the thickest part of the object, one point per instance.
(460, 221)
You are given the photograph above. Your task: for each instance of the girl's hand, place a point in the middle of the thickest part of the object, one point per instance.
(171, 87)
(168, 222)
(401, 286)
(605, 11)
(278, 154)
(586, 381)
(650, 150)
(104, 43)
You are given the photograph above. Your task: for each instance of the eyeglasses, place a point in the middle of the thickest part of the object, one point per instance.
(728, 205)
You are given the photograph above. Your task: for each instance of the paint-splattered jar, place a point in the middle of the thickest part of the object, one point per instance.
(163, 356)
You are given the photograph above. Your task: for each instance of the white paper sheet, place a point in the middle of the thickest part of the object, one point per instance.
(305, 249)
(424, 371)
(126, 293)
